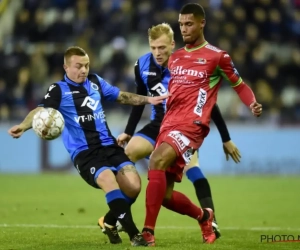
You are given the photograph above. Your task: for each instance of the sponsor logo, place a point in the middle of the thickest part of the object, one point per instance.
(208, 46)
(160, 89)
(234, 69)
(47, 95)
(179, 70)
(180, 140)
(202, 96)
(96, 116)
(200, 61)
(149, 73)
(72, 92)
(121, 216)
(90, 102)
(187, 155)
(52, 87)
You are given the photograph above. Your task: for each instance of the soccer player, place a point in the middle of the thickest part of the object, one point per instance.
(93, 150)
(196, 73)
(152, 75)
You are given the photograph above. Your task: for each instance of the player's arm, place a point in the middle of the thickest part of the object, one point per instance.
(229, 147)
(230, 73)
(51, 100)
(112, 93)
(137, 111)
(217, 117)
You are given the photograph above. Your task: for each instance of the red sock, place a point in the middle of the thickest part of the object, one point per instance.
(155, 194)
(181, 204)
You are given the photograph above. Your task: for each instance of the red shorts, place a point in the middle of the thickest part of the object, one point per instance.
(184, 144)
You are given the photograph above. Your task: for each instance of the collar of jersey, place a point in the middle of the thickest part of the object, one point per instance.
(195, 47)
(68, 80)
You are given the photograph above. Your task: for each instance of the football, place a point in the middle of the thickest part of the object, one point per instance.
(48, 123)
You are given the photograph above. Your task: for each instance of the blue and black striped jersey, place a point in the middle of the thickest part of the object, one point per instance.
(81, 107)
(151, 79)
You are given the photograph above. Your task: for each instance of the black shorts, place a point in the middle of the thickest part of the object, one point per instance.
(149, 132)
(91, 162)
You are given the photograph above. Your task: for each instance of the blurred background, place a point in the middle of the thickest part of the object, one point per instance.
(262, 37)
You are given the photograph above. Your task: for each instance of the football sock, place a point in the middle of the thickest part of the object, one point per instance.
(202, 187)
(155, 194)
(129, 200)
(110, 218)
(121, 210)
(181, 204)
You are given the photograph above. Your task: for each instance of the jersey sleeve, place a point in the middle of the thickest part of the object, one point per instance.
(136, 111)
(228, 70)
(110, 93)
(52, 99)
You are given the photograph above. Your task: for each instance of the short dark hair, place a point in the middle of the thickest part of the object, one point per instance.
(74, 51)
(193, 8)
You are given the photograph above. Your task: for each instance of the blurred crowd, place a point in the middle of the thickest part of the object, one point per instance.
(262, 37)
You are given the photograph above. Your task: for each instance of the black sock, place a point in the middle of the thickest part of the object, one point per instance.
(121, 210)
(205, 216)
(110, 218)
(203, 193)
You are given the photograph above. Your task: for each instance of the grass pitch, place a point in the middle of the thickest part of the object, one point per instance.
(60, 212)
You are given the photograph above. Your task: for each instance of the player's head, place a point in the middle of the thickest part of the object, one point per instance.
(161, 41)
(191, 21)
(76, 64)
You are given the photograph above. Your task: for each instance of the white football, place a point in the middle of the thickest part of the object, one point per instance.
(48, 123)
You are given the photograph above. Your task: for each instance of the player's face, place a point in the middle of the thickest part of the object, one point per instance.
(161, 49)
(77, 68)
(191, 28)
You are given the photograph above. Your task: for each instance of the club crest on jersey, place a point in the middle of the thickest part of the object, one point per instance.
(94, 85)
(201, 61)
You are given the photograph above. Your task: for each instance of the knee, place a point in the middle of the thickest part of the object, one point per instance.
(133, 188)
(157, 162)
(131, 152)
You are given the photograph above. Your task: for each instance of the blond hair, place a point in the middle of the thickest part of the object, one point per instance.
(157, 31)
(74, 51)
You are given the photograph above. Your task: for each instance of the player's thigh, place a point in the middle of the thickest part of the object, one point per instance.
(138, 148)
(106, 180)
(162, 157)
(126, 173)
(194, 161)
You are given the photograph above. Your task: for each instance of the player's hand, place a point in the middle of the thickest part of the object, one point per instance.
(231, 150)
(256, 109)
(123, 139)
(16, 131)
(158, 99)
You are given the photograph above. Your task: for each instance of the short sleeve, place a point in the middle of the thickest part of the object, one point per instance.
(52, 99)
(228, 70)
(110, 93)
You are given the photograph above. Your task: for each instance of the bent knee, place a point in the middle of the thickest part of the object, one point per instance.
(135, 153)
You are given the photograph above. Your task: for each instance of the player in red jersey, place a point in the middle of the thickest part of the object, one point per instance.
(196, 73)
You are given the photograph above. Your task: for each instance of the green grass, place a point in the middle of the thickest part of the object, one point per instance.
(61, 211)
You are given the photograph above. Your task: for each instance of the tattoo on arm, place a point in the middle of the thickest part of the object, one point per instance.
(27, 123)
(128, 169)
(132, 99)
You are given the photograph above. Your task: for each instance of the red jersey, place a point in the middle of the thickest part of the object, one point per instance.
(196, 75)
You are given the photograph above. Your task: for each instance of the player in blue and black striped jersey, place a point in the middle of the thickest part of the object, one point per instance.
(152, 76)
(100, 161)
